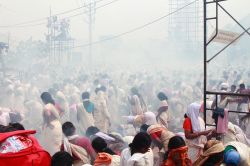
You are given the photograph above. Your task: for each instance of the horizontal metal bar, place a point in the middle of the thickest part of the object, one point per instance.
(238, 112)
(214, 1)
(211, 18)
(227, 93)
(210, 125)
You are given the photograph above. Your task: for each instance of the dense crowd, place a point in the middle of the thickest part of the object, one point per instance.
(142, 119)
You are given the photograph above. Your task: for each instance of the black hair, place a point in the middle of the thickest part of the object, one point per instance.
(47, 98)
(61, 159)
(176, 142)
(161, 96)
(97, 90)
(215, 158)
(233, 86)
(102, 88)
(17, 126)
(242, 86)
(2, 128)
(91, 131)
(85, 95)
(144, 128)
(100, 145)
(68, 129)
(9, 129)
(141, 141)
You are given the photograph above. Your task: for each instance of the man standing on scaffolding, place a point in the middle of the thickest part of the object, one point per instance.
(243, 107)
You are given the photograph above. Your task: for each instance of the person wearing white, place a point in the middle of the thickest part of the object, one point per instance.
(139, 152)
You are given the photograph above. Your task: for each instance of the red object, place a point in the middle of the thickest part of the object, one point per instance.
(187, 124)
(32, 156)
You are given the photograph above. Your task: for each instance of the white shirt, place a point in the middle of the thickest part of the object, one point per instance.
(137, 159)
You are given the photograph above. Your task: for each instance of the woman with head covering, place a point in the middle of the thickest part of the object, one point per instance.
(177, 154)
(194, 131)
(85, 112)
(147, 118)
(77, 146)
(101, 112)
(105, 156)
(138, 105)
(139, 152)
(160, 136)
(162, 113)
(52, 128)
(212, 154)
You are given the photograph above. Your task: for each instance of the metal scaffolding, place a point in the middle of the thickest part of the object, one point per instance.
(207, 42)
(60, 42)
(185, 25)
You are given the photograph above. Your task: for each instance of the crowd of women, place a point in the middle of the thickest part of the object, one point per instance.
(146, 119)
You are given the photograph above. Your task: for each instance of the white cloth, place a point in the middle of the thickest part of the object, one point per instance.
(224, 85)
(137, 159)
(5, 118)
(149, 118)
(193, 111)
(104, 136)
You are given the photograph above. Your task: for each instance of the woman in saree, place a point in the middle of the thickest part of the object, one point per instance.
(52, 128)
(101, 113)
(162, 116)
(138, 105)
(85, 113)
(194, 130)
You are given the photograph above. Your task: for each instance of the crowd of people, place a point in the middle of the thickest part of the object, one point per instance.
(113, 119)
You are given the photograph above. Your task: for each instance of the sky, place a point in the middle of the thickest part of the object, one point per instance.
(113, 19)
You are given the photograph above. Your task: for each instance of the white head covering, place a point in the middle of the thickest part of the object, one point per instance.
(224, 85)
(104, 136)
(193, 111)
(149, 118)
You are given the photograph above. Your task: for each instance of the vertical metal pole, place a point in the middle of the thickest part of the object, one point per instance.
(205, 59)
(216, 106)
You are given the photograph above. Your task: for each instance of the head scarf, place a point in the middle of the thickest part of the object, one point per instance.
(193, 111)
(103, 159)
(149, 118)
(224, 85)
(178, 156)
(232, 157)
(211, 147)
